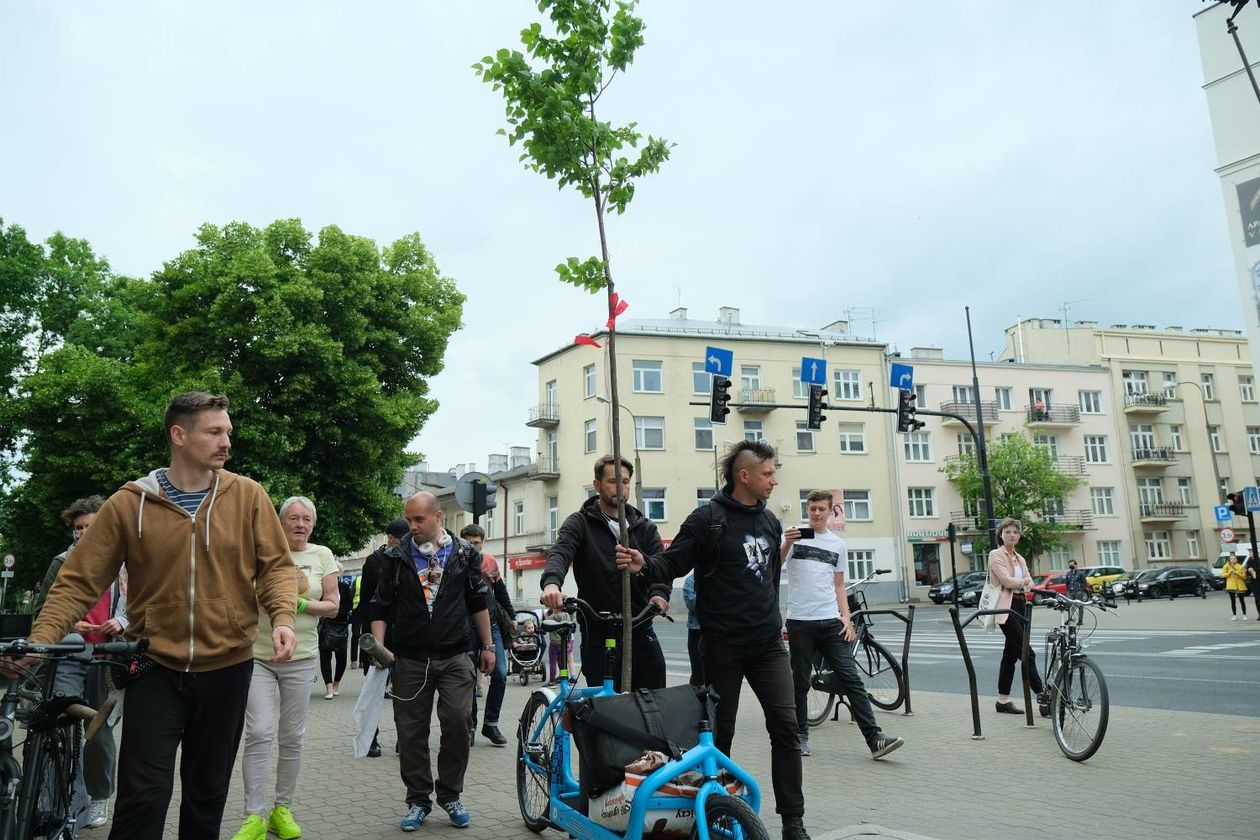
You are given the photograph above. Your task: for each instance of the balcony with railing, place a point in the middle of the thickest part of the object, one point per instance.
(988, 410)
(1154, 456)
(1052, 416)
(756, 400)
(1145, 403)
(546, 469)
(545, 416)
(1161, 511)
(968, 523)
(1079, 520)
(1069, 465)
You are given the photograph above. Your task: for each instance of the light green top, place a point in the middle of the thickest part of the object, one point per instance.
(315, 561)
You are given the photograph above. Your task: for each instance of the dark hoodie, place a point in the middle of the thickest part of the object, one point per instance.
(586, 542)
(737, 569)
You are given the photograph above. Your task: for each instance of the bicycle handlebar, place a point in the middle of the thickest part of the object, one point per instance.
(1059, 601)
(21, 647)
(578, 605)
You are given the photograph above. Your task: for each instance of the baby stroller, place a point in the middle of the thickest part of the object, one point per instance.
(525, 654)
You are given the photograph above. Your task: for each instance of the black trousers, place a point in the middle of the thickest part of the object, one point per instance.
(326, 664)
(647, 662)
(1013, 630)
(766, 667)
(693, 654)
(805, 638)
(202, 714)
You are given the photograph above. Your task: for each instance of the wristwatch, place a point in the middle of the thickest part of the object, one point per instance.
(488, 647)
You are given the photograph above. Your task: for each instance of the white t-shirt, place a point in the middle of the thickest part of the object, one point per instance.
(812, 572)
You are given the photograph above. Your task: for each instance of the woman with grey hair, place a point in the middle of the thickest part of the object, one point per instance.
(280, 692)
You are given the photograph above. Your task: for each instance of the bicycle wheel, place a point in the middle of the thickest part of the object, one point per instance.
(820, 699)
(48, 762)
(535, 741)
(1079, 709)
(729, 818)
(881, 673)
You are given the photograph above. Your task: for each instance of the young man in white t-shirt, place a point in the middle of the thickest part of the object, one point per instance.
(818, 622)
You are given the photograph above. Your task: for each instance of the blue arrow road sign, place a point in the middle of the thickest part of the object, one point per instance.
(813, 371)
(1251, 495)
(902, 377)
(719, 360)
(1223, 513)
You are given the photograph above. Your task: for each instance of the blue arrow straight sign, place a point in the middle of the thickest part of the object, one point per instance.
(1251, 495)
(813, 371)
(1223, 513)
(719, 360)
(902, 377)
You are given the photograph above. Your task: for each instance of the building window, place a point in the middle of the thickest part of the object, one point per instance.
(966, 444)
(549, 394)
(1174, 439)
(553, 517)
(653, 502)
(750, 377)
(1192, 544)
(1039, 395)
(857, 504)
(920, 395)
(922, 501)
(861, 562)
(800, 390)
(1109, 552)
(518, 518)
(704, 433)
(752, 431)
(804, 437)
(1091, 402)
(592, 435)
(1150, 492)
(703, 495)
(964, 394)
(647, 377)
(1253, 439)
(1247, 388)
(1134, 382)
(1060, 556)
(1214, 432)
(804, 494)
(1142, 438)
(649, 432)
(1003, 398)
(588, 381)
(1096, 449)
(852, 437)
(1050, 443)
(918, 447)
(1208, 381)
(1170, 381)
(701, 379)
(1222, 487)
(1185, 492)
(1158, 546)
(1104, 500)
(848, 384)
(489, 523)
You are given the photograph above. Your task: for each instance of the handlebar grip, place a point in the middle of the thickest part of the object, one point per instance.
(883, 571)
(116, 648)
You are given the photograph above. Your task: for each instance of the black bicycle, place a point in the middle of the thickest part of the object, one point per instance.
(881, 673)
(36, 793)
(1075, 690)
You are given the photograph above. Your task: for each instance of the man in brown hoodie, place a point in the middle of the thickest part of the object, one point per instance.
(204, 551)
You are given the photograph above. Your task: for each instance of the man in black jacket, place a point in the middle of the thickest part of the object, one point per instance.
(430, 595)
(365, 587)
(502, 623)
(585, 542)
(733, 545)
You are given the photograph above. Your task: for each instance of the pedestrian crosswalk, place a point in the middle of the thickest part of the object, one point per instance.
(930, 647)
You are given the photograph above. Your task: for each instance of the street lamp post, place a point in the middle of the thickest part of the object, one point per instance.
(638, 473)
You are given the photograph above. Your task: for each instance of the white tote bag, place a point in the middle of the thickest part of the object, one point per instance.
(989, 601)
(367, 709)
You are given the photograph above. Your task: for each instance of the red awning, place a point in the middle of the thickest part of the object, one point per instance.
(527, 561)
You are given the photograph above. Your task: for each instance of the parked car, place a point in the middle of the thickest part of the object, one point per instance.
(944, 591)
(1120, 584)
(969, 595)
(1131, 584)
(1096, 576)
(1169, 583)
(1208, 578)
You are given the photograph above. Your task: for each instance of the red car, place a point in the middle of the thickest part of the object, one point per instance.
(1055, 581)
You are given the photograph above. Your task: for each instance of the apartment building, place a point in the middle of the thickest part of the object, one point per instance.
(1188, 423)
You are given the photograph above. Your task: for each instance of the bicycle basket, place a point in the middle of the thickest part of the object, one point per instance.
(857, 601)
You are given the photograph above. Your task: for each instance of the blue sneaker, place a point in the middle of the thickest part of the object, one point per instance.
(460, 818)
(414, 819)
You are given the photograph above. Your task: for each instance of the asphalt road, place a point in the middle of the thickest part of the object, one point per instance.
(1192, 670)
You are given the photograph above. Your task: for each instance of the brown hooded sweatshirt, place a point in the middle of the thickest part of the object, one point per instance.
(196, 583)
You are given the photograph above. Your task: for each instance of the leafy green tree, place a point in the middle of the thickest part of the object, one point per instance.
(1025, 485)
(553, 94)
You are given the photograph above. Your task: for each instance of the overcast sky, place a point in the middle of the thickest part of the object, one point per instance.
(908, 157)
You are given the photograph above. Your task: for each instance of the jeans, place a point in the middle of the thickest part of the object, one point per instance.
(498, 679)
(647, 662)
(1013, 630)
(765, 665)
(693, 654)
(279, 696)
(200, 713)
(826, 637)
(417, 683)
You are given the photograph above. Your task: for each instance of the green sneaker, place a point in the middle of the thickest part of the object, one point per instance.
(254, 828)
(283, 825)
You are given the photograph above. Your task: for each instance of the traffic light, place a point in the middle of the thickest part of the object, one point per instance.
(719, 398)
(482, 500)
(815, 417)
(1236, 503)
(906, 421)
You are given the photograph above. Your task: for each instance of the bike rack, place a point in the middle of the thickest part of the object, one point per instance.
(976, 734)
(908, 620)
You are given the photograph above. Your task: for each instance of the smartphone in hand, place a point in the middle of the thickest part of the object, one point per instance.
(807, 533)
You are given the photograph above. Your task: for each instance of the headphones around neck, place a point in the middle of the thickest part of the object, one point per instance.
(427, 549)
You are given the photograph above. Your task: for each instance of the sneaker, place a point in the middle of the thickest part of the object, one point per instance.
(1233, 618)
(98, 813)
(460, 818)
(491, 731)
(254, 828)
(374, 751)
(328, 695)
(282, 824)
(881, 745)
(414, 819)
(794, 829)
(805, 750)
